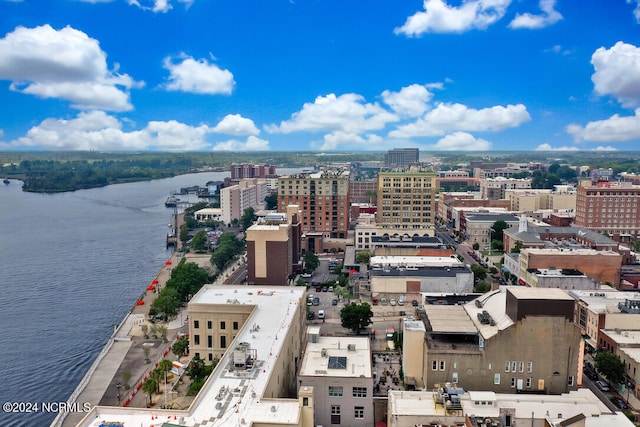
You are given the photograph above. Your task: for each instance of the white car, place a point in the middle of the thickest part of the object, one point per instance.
(392, 301)
(305, 275)
(320, 314)
(400, 301)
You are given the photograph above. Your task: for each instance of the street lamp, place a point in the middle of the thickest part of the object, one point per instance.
(118, 387)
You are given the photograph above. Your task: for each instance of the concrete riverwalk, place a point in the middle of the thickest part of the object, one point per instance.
(125, 351)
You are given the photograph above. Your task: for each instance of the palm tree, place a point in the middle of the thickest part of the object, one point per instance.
(150, 386)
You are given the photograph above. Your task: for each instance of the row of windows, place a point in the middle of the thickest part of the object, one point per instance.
(514, 366)
(223, 341)
(223, 325)
(336, 410)
(337, 391)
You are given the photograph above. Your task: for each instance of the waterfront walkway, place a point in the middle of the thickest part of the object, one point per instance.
(125, 351)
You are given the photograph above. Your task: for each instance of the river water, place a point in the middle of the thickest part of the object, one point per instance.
(71, 266)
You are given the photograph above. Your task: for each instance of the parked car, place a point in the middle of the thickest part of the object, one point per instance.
(392, 301)
(306, 275)
(591, 373)
(383, 301)
(602, 385)
(334, 302)
(316, 301)
(311, 315)
(415, 303)
(400, 301)
(619, 403)
(325, 288)
(320, 314)
(330, 288)
(374, 301)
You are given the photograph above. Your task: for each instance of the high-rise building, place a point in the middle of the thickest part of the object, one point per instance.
(249, 170)
(248, 193)
(609, 207)
(401, 157)
(323, 198)
(406, 200)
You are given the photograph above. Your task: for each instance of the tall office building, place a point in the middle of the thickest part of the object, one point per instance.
(323, 198)
(609, 207)
(401, 157)
(248, 193)
(249, 170)
(406, 200)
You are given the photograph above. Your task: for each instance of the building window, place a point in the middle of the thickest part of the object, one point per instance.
(335, 414)
(196, 324)
(513, 382)
(305, 401)
(235, 326)
(223, 341)
(358, 412)
(514, 366)
(496, 379)
(223, 325)
(209, 324)
(434, 365)
(507, 365)
(196, 339)
(521, 366)
(335, 391)
(442, 365)
(529, 366)
(359, 392)
(570, 381)
(529, 380)
(209, 341)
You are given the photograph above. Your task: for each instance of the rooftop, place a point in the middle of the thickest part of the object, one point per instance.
(338, 357)
(228, 395)
(414, 261)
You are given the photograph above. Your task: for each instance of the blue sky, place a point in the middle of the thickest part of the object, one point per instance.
(320, 75)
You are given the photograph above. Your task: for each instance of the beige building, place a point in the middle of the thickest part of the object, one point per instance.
(413, 333)
(563, 197)
(339, 371)
(478, 228)
(577, 408)
(406, 202)
(254, 383)
(274, 247)
(248, 193)
(609, 207)
(509, 340)
(495, 188)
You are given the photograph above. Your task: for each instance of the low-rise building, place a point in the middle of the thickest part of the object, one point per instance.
(339, 371)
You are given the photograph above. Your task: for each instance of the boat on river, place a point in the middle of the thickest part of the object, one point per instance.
(171, 201)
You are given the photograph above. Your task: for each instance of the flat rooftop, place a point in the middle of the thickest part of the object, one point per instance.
(414, 261)
(348, 357)
(449, 319)
(523, 292)
(230, 396)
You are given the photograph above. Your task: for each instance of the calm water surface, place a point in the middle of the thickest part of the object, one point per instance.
(71, 267)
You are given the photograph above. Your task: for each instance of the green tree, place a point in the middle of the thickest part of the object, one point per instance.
(150, 386)
(610, 365)
(516, 248)
(356, 316)
(247, 218)
(482, 287)
(476, 246)
(181, 346)
(497, 230)
(271, 201)
(479, 272)
(187, 278)
(195, 370)
(363, 257)
(311, 261)
(166, 304)
(165, 365)
(184, 233)
(199, 241)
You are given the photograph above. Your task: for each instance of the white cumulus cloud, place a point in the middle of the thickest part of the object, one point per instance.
(547, 147)
(96, 130)
(77, 72)
(533, 22)
(198, 76)
(440, 17)
(458, 117)
(348, 113)
(155, 6)
(461, 141)
(410, 101)
(617, 72)
(614, 129)
(235, 124)
(343, 140)
(252, 143)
